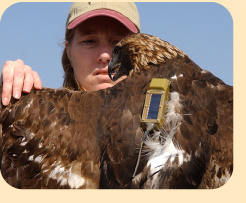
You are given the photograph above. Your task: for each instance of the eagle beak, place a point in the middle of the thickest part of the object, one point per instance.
(113, 69)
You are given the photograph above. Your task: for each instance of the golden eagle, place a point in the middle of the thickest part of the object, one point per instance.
(70, 139)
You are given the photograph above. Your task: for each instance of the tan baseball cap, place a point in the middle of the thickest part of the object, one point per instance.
(124, 12)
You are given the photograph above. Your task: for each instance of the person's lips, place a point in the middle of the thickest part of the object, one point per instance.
(101, 72)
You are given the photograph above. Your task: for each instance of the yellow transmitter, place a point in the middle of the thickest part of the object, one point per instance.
(155, 102)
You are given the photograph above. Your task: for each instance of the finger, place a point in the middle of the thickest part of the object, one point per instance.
(18, 78)
(37, 81)
(7, 79)
(28, 79)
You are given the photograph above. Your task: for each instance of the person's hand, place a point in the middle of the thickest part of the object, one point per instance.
(18, 77)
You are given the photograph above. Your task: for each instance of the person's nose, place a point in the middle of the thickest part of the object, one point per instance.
(105, 53)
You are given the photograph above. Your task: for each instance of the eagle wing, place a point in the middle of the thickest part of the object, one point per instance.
(41, 142)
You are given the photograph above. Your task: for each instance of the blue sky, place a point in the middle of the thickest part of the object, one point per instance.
(34, 32)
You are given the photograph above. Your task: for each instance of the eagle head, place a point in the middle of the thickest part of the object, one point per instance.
(137, 52)
(120, 64)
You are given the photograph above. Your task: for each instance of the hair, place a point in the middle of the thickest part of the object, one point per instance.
(70, 81)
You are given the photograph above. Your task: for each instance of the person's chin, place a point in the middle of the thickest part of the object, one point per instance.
(103, 81)
(104, 86)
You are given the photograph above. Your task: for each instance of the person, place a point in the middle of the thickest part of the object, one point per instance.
(92, 30)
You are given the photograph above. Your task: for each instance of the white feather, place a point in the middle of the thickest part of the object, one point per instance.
(158, 154)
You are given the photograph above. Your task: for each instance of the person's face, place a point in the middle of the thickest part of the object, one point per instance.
(91, 50)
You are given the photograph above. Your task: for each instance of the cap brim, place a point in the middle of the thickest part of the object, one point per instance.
(104, 12)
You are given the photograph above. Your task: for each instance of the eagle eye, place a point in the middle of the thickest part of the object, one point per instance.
(116, 51)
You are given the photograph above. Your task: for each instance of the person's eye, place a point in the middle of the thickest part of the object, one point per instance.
(89, 41)
(115, 42)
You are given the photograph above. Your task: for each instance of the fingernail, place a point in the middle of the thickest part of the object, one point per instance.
(17, 95)
(38, 86)
(26, 90)
(5, 101)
